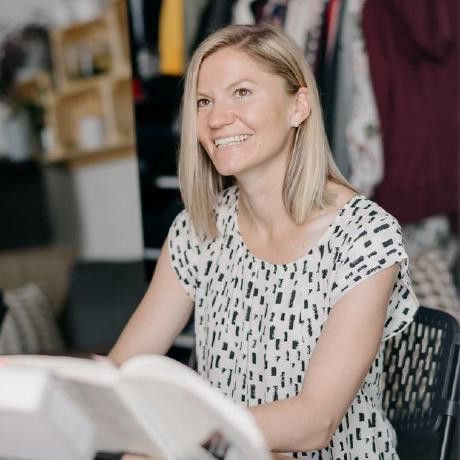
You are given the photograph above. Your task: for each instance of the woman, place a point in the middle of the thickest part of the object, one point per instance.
(296, 280)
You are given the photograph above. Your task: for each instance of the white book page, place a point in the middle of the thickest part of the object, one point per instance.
(190, 409)
(100, 371)
(38, 419)
(92, 385)
(117, 428)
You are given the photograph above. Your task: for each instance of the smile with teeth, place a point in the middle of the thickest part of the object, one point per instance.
(231, 140)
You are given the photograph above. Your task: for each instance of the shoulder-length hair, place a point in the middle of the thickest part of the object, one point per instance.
(311, 164)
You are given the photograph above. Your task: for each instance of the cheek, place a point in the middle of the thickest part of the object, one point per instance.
(201, 132)
(253, 115)
(205, 147)
(262, 117)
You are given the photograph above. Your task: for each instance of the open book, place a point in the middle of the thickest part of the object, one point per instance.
(70, 408)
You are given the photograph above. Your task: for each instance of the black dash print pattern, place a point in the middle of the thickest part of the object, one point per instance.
(257, 323)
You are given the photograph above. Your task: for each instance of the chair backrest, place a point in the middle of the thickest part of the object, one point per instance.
(421, 373)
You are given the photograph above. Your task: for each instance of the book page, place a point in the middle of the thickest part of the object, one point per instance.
(97, 371)
(191, 410)
(118, 430)
(92, 385)
(39, 420)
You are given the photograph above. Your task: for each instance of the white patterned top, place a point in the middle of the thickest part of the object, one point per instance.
(257, 323)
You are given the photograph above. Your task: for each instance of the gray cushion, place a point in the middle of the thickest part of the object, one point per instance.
(29, 325)
(102, 297)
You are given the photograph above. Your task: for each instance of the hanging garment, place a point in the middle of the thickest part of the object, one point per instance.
(193, 14)
(413, 54)
(274, 12)
(303, 24)
(144, 21)
(312, 47)
(326, 71)
(172, 37)
(429, 233)
(257, 8)
(343, 94)
(297, 21)
(217, 14)
(364, 141)
(333, 23)
(242, 13)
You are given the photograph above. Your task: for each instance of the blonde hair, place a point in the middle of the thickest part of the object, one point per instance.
(311, 164)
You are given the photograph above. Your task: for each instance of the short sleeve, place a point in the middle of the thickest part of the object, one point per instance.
(373, 247)
(184, 253)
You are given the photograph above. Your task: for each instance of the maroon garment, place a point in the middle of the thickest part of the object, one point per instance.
(414, 66)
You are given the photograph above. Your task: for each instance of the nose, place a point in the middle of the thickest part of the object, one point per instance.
(221, 115)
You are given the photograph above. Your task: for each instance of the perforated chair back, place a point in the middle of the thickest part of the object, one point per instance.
(421, 377)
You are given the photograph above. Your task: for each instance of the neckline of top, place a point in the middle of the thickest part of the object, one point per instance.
(314, 247)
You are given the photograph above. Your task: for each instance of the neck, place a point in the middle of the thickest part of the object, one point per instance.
(261, 206)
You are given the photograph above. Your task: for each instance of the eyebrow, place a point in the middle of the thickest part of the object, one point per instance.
(231, 85)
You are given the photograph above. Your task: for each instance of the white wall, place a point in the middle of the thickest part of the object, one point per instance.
(109, 210)
(95, 207)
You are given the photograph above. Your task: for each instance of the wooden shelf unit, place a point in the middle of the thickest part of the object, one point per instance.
(78, 157)
(106, 95)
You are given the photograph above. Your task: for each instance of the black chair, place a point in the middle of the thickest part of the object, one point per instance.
(422, 377)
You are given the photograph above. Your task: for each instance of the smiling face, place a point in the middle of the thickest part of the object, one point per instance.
(245, 115)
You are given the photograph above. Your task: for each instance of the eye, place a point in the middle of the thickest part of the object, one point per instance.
(242, 92)
(203, 102)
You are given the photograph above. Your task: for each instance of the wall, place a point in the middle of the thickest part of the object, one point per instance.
(109, 210)
(95, 208)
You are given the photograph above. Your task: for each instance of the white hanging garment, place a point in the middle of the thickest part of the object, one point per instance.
(297, 21)
(363, 130)
(242, 13)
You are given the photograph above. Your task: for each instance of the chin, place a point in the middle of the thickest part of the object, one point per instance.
(225, 169)
(226, 172)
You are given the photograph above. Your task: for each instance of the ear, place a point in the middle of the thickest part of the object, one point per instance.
(301, 108)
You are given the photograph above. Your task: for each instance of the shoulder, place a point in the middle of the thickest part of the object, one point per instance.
(182, 226)
(361, 213)
(365, 231)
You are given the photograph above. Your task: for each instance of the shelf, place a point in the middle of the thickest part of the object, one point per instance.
(122, 97)
(77, 47)
(77, 157)
(33, 87)
(79, 27)
(92, 110)
(74, 87)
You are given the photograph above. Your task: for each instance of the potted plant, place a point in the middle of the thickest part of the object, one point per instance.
(23, 54)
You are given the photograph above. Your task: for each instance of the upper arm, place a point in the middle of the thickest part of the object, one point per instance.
(348, 345)
(371, 299)
(345, 350)
(160, 316)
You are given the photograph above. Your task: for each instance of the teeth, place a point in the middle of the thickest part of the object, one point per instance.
(231, 140)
